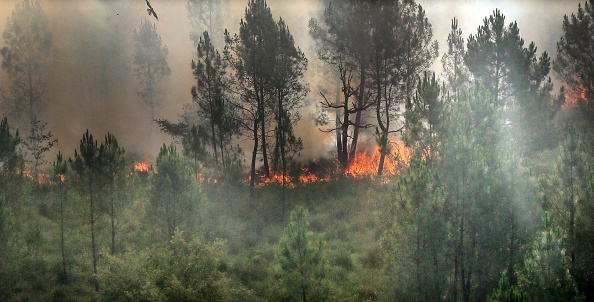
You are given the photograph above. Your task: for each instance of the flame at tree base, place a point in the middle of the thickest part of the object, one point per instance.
(364, 165)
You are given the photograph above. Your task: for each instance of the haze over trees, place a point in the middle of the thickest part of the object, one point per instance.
(150, 65)
(25, 58)
(479, 182)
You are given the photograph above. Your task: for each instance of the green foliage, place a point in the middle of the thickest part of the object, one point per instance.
(414, 244)
(422, 118)
(516, 79)
(546, 276)
(194, 145)
(217, 113)
(39, 142)
(9, 156)
(87, 159)
(507, 293)
(174, 195)
(300, 255)
(454, 68)
(268, 70)
(180, 271)
(289, 93)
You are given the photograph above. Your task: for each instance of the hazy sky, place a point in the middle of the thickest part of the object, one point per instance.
(76, 100)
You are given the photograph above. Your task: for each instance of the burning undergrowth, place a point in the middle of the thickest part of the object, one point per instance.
(365, 164)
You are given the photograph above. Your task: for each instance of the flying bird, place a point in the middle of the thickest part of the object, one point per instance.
(151, 11)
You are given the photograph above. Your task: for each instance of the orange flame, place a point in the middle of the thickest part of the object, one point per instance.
(573, 96)
(364, 165)
(141, 167)
(144, 166)
(276, 178)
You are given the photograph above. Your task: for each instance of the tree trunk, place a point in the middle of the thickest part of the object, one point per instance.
(212, 113)
(337, 125)
(62, 244)
(345, 134)
(93, 245)
(358, 115)
(254, 154)
(261, 118)
(113, 231)
(463, 270)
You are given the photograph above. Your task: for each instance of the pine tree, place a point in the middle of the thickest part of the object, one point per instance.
(249, 54)
(25, 58)
(194, 147)
(572, 171)
(301, 258)
(454, 68)
(290, 64)
(113, 156)
(206, 15)
(151, 65)
(89, 168)
(546, 276)
(414, 243)
(515, 76)
(217, 113)
(172, 201)
(9, 157)
(60, 168)
(268, 68)
(575, 50)
(402, 48)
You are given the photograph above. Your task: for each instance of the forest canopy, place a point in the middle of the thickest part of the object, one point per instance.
(326, 161)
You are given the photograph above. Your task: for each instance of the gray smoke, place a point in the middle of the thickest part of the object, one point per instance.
(91, 84)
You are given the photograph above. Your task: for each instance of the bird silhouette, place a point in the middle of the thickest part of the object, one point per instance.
(151, 11)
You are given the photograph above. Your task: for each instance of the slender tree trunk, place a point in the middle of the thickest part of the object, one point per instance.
(212, 115)
(383, 128)
(571, 217)
(337, 125)
(62, 244)
(345, 133)
(170, 223)
(463, 273)
(31, 102)
(151, 99)
(254, 155)
(261, 118)
(420, 284)
(282, 142)
(263, 133)
(511, 271)
(93, 245)
(358, 115)
(113, 230)
(303, 295)
(221, 139)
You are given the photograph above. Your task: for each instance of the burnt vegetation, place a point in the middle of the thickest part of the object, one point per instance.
(473, 185)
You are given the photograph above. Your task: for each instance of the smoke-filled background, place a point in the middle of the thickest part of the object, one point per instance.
(90, 83)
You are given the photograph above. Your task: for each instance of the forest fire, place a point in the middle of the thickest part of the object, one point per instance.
(141, 167)
(364, 165)
(144, 166)
(573, 97)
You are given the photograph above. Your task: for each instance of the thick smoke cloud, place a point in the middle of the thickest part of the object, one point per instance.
(91, 84)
